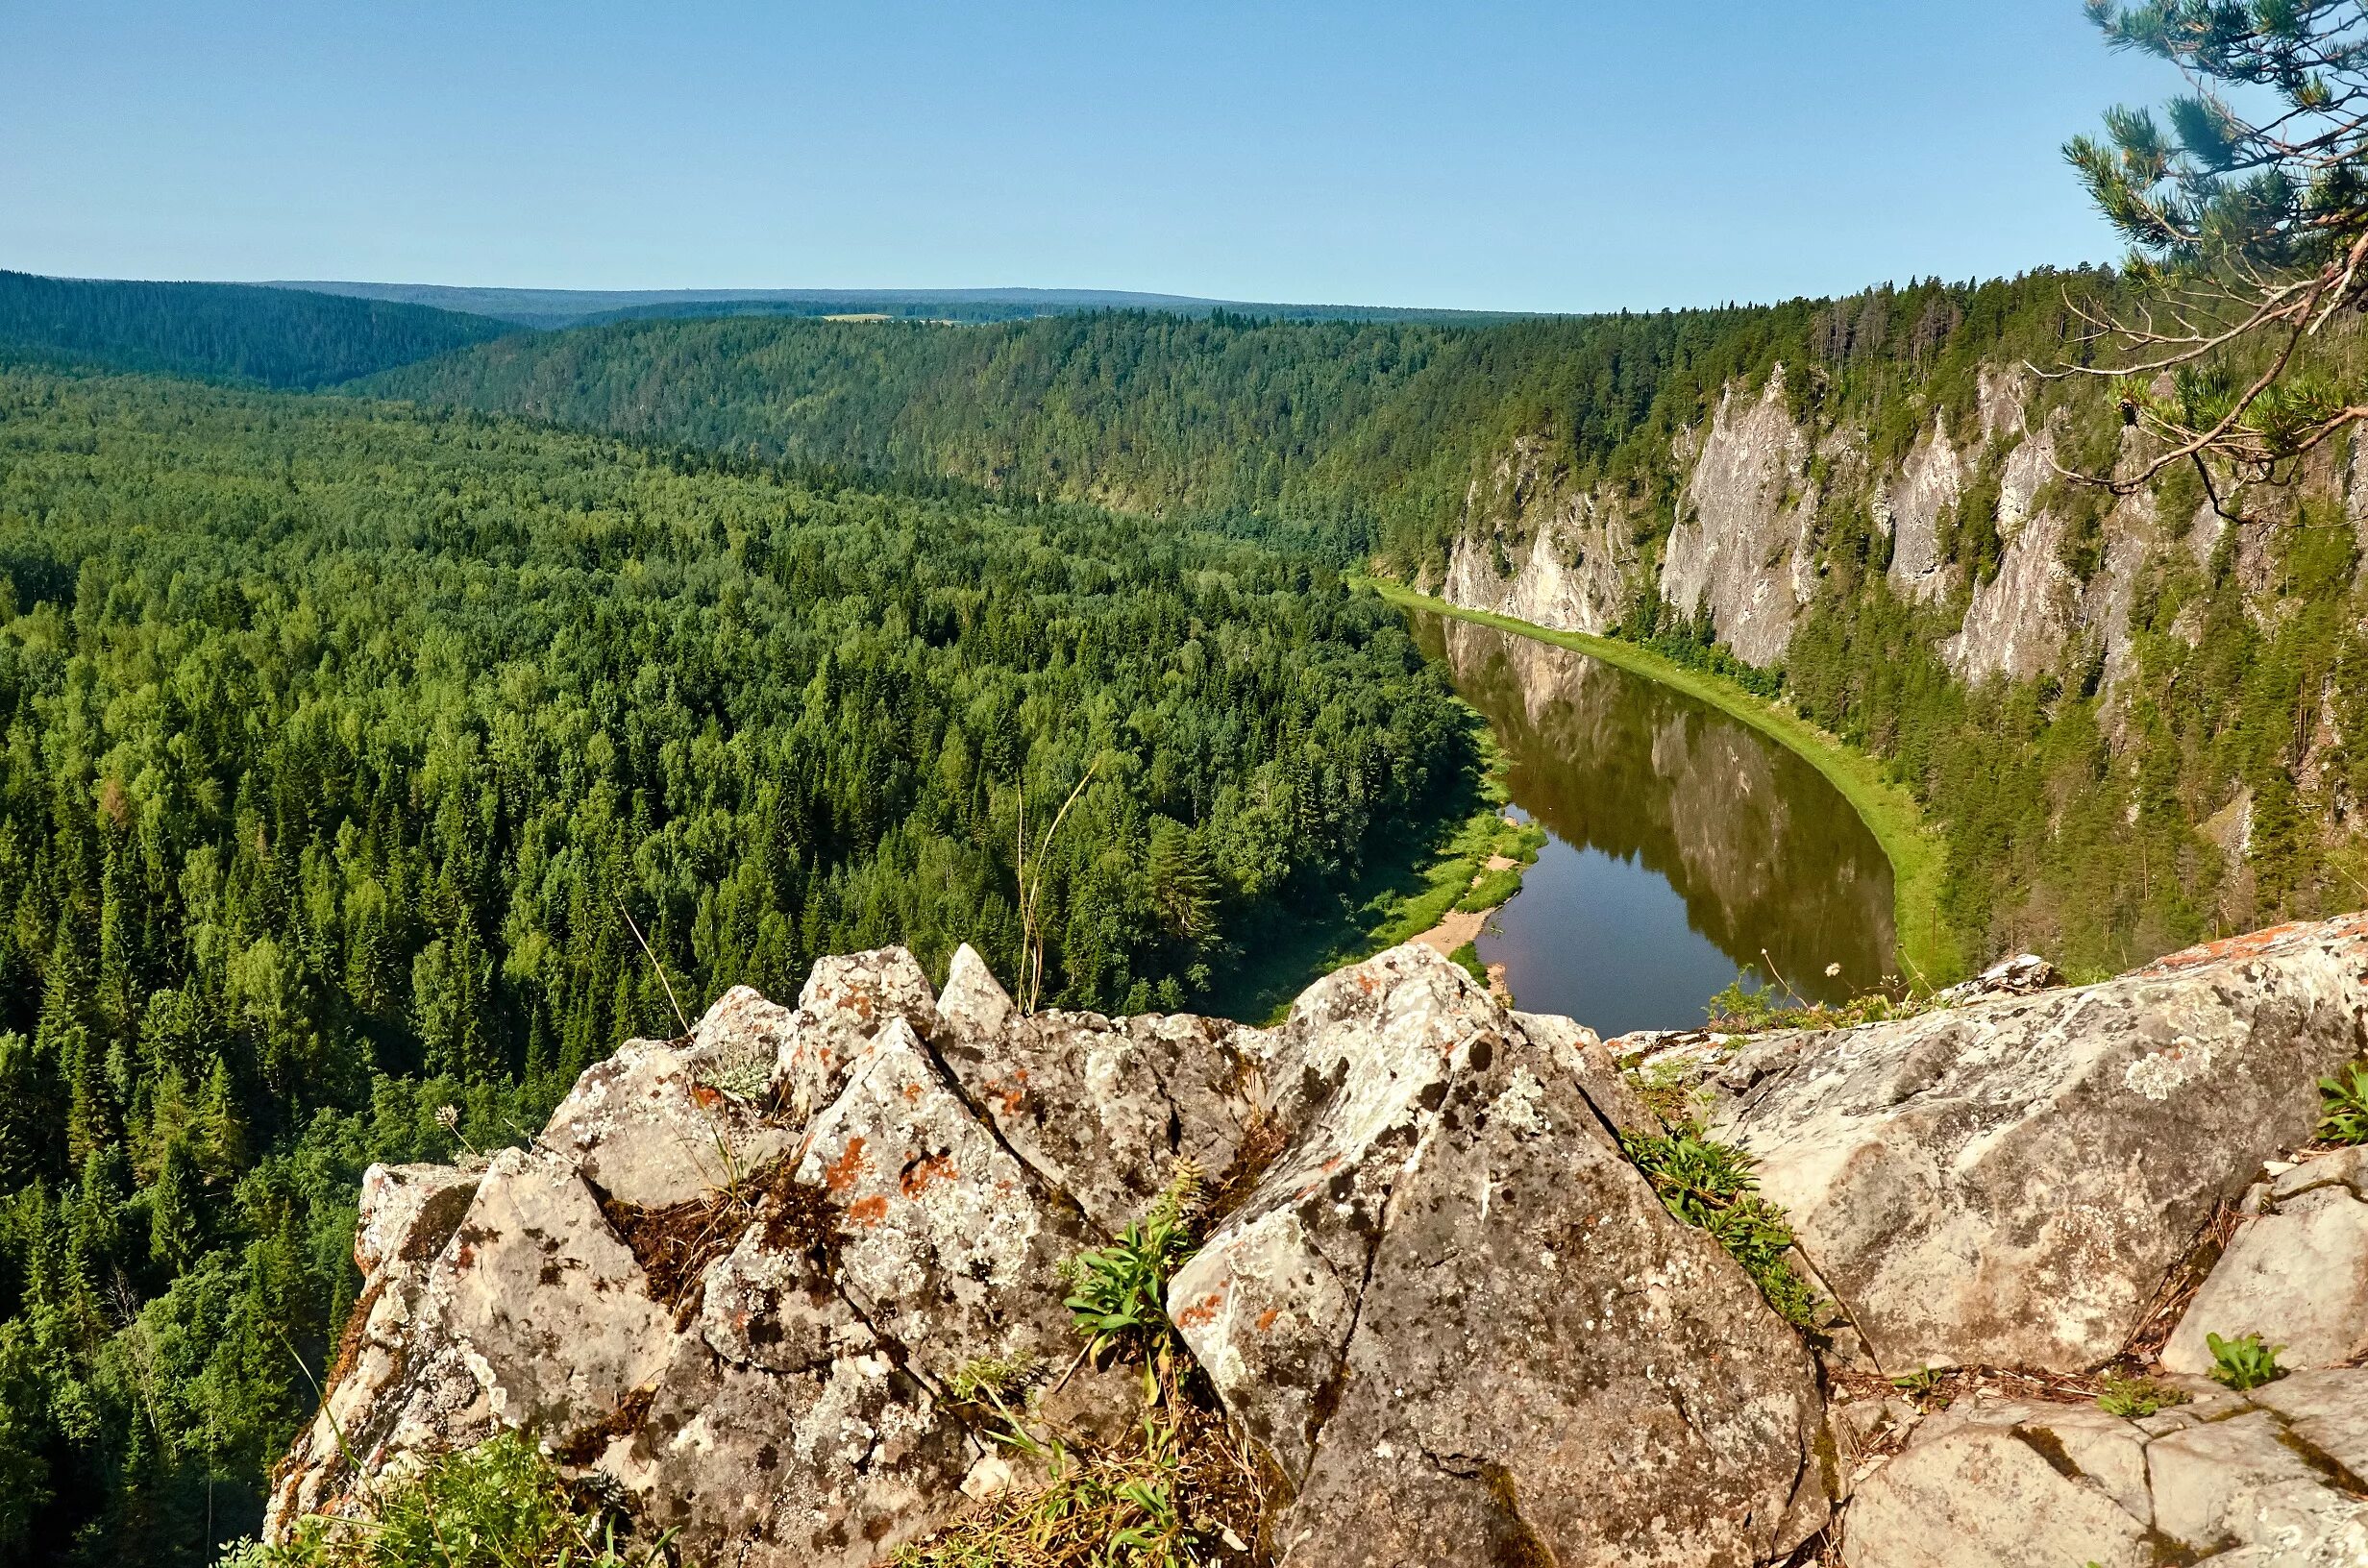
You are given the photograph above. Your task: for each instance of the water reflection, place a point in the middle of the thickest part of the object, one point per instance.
(1686, 843)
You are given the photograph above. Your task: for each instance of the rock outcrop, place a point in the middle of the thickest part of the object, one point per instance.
(1763, 498)
(1463, 1326)
(1533, 550)
(1737, 549)
(742, 1276)
(747, 1279)
(2267, 1478)
(2009, 1182)
(2296, 1273)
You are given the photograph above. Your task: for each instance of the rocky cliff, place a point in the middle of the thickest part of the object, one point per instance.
(790, 1284)
(2095, 694)
(1759, 494)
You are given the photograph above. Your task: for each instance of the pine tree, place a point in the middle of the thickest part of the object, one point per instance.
(220, 1126)
(175, 1232)
(1183, 887)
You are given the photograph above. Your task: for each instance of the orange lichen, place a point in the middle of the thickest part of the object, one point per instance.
(917, 1176)
(847, 1169)
(1204, 1310)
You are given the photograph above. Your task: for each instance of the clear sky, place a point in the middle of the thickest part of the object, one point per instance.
(1572, 155)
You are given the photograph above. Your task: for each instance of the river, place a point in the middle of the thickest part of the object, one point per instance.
(1684, 846)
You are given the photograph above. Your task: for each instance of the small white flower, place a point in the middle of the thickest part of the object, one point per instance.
(1832, 971)
(448, 1117)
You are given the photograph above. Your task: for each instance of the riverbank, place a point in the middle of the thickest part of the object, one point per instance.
(1438, 892)
(1928, 951)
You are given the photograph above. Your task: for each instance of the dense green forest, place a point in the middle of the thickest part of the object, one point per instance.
(1344, 437)
(341, 736)
(583, 306)
(2077, 820)
(225, 331)
(339, 739)
(2074, 817)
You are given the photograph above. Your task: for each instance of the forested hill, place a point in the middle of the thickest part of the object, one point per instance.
(581, 306)
(277, 338)
(337, 741)
(2128, 718)
(1346, 435)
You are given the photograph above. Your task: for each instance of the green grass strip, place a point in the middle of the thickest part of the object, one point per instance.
(1928, 948)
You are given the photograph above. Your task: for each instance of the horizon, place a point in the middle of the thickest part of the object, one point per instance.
(1085, 297)
(1522, 160)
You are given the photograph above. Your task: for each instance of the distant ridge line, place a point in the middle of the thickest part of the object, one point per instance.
(569, 306)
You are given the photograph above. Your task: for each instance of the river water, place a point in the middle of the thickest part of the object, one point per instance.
(1684, 846)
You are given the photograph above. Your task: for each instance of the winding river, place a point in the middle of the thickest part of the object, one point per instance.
(1683, 844)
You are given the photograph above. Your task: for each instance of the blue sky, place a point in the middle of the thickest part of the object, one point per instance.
(1573, 156)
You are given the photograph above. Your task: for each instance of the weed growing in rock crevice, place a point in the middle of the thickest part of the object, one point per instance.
(2346, 1100)
(1177, 1493)
(1120, 1292)
(499, 1504)
(2243, 1362)
(1708, 1184)
(2141, 1396)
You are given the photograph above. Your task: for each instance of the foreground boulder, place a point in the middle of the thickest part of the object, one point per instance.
(1462, 1327)
(750, 1279)
(2264, 1479)
(746, 1277)
(2009, 1182)
(2296, 1273)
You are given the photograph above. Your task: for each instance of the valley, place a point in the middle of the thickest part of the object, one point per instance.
(402, 711)
(1685, 847)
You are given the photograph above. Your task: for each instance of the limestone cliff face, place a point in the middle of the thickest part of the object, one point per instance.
(2016, 623)
(1741, 542)
(1569, 559)
(1758, 495)
(1911, 507)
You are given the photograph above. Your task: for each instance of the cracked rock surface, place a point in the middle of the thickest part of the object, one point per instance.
(2008, 1183)
(2269, 1479)
(2296, 1273)
(738, 1274)
(1463, 1326)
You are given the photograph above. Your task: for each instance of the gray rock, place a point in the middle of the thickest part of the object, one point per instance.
(2325, 1410)
(2345, 1167)
(408, 1211)
(2023, 976)
(2243, 1480)
(2202, 1477)
(1591, 1065)
(1571, 555)
(756, 1407)
(1102, 1109)
(741, 1275)
(1462, 1324)
(643, 1129)
(2008, 1184)
(845, 1002)
(2297, 1276)
(949, 1247)
(1980, 1495)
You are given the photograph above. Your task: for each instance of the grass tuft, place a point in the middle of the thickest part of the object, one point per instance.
(499, 1504)
(1708, 1184)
